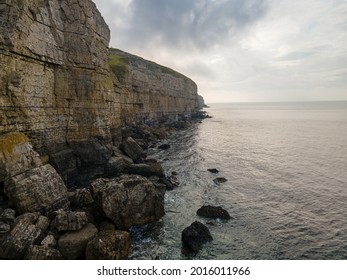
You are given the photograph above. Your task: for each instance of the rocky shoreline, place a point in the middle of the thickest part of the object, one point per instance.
(42, 219)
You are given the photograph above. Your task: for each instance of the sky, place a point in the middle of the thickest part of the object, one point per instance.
(240, 50)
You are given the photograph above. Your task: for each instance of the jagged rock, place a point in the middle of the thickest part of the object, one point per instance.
(164, 147)
(219, 180)
(213, 170)
(49, 241)
(8, 216)
(132, 149)
(109, 245)
(39, 189)
(73, 244)
(69, 221)
(128, 200)
(196, 235)
(213, 212)
(15, 244)
(42, 253)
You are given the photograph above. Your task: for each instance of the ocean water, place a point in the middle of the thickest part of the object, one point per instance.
(286, 166)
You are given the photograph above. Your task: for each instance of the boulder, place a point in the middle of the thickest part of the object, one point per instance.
(40, 189)
(213, 212)
(69, 220)
(42, 253)
(219, 180)
(128, 200)
(131, 148)
(15, 244)
(196, 235)
(73, 244)
(109, 245)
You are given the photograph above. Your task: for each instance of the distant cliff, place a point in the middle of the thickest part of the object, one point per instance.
(62, 87)
(152, 90)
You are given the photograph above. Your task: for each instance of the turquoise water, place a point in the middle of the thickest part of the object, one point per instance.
(286, 165)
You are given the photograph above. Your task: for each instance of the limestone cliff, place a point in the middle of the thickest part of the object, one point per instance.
(57, 87)
(151, 90)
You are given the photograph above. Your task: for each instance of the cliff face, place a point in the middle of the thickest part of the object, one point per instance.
(152, 91)
(56, 85)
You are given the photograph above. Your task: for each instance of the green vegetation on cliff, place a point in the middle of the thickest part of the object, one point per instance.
(118, 66)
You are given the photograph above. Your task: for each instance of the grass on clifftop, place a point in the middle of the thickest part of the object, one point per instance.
(118, 66)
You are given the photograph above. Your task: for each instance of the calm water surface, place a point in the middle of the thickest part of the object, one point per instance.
(286, 165)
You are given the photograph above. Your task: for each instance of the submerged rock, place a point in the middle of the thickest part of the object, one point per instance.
(109, 245)
(128, 200)
(196, 235)
(220, 180)
(213, 212)
(164, 147)
(213, 170)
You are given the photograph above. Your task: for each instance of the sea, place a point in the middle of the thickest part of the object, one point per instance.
(286, 189)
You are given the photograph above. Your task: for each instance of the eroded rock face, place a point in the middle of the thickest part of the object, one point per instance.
(128, 200)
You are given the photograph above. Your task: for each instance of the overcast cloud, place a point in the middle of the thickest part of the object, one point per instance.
(240, 50)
